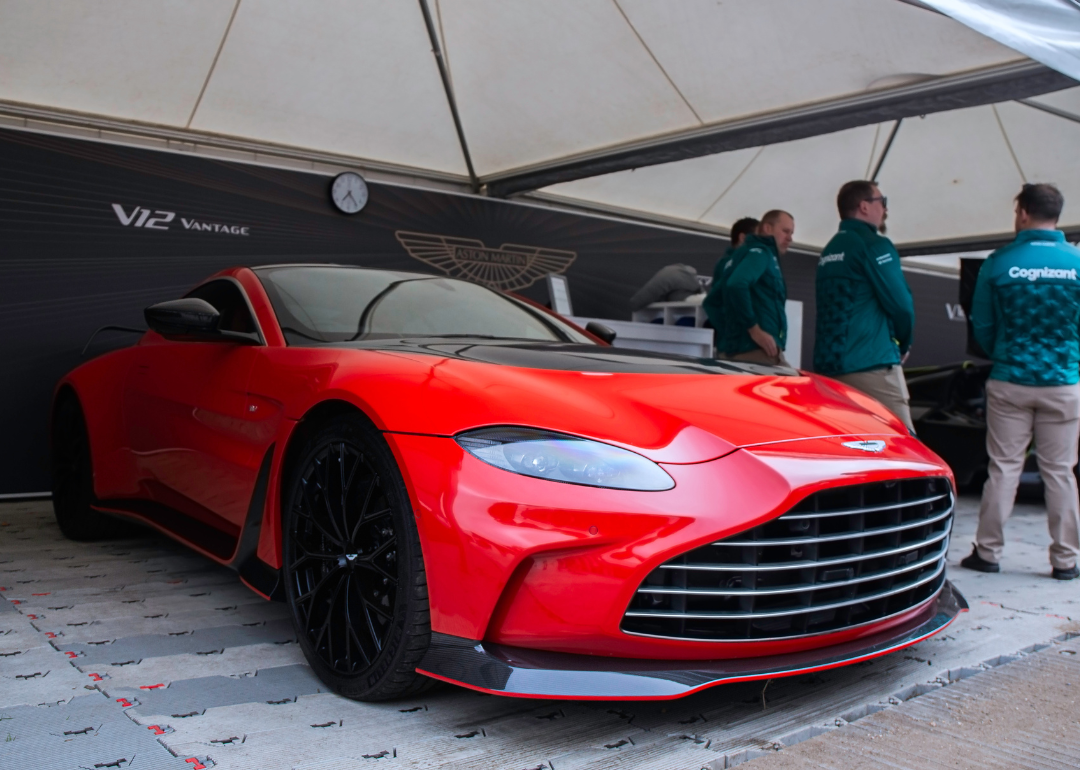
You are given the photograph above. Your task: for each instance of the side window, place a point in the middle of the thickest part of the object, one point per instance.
(228, 300)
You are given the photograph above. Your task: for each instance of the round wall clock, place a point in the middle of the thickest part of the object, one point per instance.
(349, 192)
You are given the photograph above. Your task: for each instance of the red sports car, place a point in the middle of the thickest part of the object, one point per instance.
(445, 482)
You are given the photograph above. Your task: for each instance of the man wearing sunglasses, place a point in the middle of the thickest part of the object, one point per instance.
(865, 315)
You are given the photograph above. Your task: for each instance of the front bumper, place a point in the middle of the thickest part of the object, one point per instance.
(527, 673)
(529, 563)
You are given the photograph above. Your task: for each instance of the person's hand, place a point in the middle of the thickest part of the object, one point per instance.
(764, 340)
(904, 358)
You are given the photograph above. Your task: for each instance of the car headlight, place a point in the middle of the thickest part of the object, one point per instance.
(558, 457)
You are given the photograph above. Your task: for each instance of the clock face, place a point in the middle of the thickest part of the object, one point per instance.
(349, 192)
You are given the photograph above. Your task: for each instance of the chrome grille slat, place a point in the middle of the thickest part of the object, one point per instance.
(871, 509)
(805, 564)
(840, 558)
(843, 536)
(799, 610)
(800, 588)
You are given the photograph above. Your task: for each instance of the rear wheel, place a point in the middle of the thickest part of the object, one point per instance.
(73, 475)
(354, 573)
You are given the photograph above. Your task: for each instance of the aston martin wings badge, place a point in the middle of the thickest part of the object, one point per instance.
(507, 268)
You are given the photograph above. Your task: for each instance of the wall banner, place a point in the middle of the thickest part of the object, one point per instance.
(92, 233)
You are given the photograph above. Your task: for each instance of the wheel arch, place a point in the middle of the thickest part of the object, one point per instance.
(314, 418)
(64, 392)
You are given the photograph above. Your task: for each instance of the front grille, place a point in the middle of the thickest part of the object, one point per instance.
(840, 558)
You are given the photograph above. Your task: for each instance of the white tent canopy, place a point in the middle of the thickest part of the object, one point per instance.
(754, 103)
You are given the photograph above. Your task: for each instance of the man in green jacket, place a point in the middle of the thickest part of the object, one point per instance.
(714, 302)
(1026, 316)
(865, 315)
(755, 319)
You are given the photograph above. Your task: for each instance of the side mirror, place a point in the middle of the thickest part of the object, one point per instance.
(606, 333)
(192, 319)
(183, 317)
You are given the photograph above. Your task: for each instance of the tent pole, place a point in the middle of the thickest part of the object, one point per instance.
(436, 49)
(885, 152)
(1006, 82)
(1050, 109)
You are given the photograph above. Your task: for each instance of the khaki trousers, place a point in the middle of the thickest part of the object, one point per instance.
(759, 356)
(1014, 414)
(888, 386)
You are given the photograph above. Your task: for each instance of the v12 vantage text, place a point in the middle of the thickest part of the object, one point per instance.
(159, 220)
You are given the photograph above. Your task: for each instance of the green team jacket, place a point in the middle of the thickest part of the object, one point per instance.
(1026, 310)
(865, 315)
(714, 302)
(754, 293)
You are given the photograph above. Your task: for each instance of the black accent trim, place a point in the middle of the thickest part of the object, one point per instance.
(239, 553)
(253, 570)
(563, 356)
(259, 338)
(205, 536)
(539, 674)
(1016, 80)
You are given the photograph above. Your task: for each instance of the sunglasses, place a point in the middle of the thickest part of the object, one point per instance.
(884, 200)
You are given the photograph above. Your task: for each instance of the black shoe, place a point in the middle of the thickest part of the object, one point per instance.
(1065, 574)
(980, 564)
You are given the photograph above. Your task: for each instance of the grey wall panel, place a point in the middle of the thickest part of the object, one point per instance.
(69, 264)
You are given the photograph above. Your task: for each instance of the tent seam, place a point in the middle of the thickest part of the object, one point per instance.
(213, 64)
(656, 61)
(873, 150)
(1008, 143)
(734, 182)
(885, 150)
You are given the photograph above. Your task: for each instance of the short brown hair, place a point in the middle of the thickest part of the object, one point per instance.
(1041, 201)
(745, 226)
(772, 216)
(852, 194)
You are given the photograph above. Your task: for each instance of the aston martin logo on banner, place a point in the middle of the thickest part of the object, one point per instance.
(507, 268)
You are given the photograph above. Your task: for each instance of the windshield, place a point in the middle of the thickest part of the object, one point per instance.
(337, 304)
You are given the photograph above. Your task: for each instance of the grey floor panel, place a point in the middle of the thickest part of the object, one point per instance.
(260, 611)
(90, 731)
(161, 605)
(193, 696)
(201, 640)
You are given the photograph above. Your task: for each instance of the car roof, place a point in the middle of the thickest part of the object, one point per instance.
(349, 267)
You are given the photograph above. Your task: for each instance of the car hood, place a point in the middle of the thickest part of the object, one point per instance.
(672, 409)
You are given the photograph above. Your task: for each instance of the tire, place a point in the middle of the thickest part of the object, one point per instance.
(73, 476)
(352, 567)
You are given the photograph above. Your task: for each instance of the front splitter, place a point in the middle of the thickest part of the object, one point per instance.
(525, 673)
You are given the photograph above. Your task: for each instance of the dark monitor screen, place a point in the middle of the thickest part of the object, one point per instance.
(969, 273)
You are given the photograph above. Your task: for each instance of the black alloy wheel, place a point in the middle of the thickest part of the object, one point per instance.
(354, 574)
(73, 475)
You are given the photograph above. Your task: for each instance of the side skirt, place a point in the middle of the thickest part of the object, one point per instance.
(238, 553)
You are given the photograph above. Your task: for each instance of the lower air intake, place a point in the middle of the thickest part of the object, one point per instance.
(840, 558)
